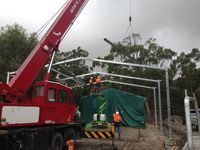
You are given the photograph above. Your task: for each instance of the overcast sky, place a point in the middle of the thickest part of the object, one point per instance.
(174, 23)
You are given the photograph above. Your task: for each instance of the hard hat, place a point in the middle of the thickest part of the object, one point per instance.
(117, 112)
(91, 77)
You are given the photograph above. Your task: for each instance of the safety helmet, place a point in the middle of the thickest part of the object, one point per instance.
(117, 112)
(91, 77)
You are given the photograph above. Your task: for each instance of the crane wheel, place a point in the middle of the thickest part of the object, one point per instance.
(70, 134)
(57, 142)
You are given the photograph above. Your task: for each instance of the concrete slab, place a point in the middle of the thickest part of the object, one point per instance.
(129, 133)
(196, 143)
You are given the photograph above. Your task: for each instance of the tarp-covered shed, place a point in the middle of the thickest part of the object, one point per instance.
(130, 107)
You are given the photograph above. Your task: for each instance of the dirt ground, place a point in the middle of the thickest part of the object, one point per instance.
(137, 139)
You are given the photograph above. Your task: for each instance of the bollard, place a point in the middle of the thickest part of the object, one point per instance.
(70, 144)
(113, 127)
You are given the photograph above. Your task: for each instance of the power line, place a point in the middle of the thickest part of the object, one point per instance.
(41, 29)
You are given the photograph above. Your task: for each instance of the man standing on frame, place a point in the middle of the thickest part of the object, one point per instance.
(98, 84)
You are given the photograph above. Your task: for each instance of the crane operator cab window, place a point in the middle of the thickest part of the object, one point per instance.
(62, 96)
(39, 91)
(51, 95)
(71, 100)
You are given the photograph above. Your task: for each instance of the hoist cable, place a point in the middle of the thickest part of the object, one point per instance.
(50, 19)
(129, 28)
(130, 8)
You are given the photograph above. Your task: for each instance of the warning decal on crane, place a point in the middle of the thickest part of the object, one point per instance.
(99, 134)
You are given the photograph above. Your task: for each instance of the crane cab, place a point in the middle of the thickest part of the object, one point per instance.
(51, 103)
(56, 101)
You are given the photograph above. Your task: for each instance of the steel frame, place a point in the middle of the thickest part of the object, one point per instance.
(135, 85)
(129, 77)
(150, 67)
(141, 66)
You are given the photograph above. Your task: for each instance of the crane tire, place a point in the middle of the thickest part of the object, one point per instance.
(57, 142)
(70, 134)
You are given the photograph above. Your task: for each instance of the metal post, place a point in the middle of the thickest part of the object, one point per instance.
(8, 77)
(197, 113)
(155, 110)
(47, 78)
(188, 122)
(187, 101)
(168, 106)
(160, 108)
(51, 62)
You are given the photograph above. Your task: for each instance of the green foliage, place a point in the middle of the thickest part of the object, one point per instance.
(187, 71)
(184, 71)
(15, 45)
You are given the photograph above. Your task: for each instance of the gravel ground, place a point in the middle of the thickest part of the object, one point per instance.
(135, 139)
(132, 139)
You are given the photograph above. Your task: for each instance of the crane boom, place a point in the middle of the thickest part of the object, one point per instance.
(40, 55)
(51, 103)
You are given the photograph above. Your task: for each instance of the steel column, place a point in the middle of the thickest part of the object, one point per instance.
(8, 77)
(155, 110)
(168, 106)
(160, 108)
(51, 62)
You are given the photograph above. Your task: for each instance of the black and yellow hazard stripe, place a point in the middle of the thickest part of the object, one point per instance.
(99, 134)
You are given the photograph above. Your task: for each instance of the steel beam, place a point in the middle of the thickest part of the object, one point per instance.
(123, 63)
(129, 84)
(65, 61)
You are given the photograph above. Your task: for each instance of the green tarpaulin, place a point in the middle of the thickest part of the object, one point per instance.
(130, 107)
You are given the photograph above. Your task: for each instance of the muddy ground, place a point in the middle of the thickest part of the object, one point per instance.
(137, 139)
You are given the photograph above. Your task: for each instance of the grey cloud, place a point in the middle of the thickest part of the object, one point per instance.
(175, 24)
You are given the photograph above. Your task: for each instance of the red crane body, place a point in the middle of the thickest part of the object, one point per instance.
(52, 103)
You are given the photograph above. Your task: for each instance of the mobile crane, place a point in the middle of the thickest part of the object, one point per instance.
(46, 120)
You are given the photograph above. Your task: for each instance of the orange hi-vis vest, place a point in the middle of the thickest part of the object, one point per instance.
(117, 118)
(98, 80)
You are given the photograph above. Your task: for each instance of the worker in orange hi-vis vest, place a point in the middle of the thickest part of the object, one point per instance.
(117, 120)
(98, 84)
(91, 84)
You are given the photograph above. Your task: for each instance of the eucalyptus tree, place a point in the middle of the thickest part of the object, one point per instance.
(15, 45)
